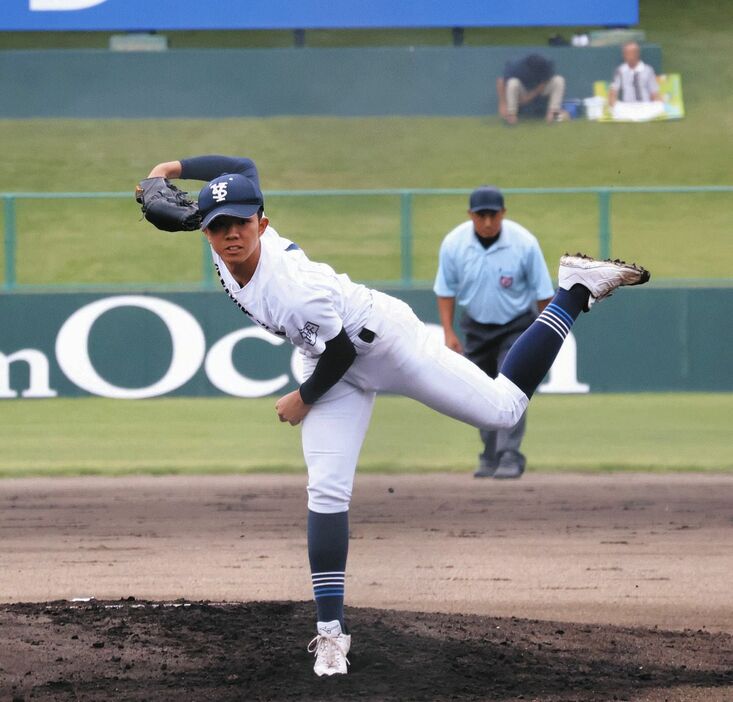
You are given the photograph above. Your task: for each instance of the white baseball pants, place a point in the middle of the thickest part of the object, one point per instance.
(405, 359)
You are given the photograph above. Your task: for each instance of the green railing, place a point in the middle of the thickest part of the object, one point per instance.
(406, 197)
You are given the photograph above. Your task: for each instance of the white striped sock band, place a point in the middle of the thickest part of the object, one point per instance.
(328, 584)
(557, 319)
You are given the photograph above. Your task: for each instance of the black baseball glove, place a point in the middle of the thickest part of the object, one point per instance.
(167, 207)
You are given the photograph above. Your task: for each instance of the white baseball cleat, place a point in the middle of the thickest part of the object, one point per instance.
(600, 277)
(330, 647)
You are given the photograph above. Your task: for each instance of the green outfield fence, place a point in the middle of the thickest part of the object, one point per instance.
(406, 198)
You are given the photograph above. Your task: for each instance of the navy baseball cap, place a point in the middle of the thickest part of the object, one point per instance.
(487, 197)
(232, 194)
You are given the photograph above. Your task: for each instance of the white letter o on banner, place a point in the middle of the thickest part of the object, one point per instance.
(72, 347)
(223, 374)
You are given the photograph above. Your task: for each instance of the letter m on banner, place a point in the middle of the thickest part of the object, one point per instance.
(56, 5)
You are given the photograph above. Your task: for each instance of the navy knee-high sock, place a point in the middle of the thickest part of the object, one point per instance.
(534, 352)
(328, 546)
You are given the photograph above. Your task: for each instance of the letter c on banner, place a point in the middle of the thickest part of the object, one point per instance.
(72, 347)
(55, 5)
(223, 374)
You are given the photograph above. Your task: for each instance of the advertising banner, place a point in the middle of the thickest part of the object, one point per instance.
(144, 15)
(135, 346)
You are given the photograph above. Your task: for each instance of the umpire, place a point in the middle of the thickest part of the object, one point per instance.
(494, 268)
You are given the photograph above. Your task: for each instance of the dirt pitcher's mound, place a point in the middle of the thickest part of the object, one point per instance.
(132, 650)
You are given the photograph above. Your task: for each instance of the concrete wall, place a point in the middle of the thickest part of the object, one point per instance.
(449, 81)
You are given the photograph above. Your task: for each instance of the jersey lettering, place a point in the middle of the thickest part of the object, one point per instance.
(241, 306)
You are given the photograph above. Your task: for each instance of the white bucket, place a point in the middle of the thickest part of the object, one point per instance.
(594, 107)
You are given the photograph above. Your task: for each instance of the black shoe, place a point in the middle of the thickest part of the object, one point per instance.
(485, 469)
(511, 466)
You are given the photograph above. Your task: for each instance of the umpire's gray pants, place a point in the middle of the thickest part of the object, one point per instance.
(487, 345)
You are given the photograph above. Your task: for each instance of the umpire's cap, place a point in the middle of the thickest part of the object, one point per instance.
(487, 197)
(232, 194)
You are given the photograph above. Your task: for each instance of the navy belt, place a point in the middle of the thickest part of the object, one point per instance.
(366, 335)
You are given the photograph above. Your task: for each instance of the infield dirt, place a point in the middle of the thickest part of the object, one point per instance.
(560, 587)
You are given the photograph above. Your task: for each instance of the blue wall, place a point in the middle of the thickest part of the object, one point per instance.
(126, 15)
(450, 81)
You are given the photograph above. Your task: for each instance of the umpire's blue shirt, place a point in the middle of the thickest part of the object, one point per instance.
(494, 285)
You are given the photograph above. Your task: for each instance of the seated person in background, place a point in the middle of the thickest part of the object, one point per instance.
(530, 86)
(634, 81)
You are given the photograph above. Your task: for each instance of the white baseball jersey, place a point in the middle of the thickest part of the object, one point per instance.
(292, 296)
(308, 303)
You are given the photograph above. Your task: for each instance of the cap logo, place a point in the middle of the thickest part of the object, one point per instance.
(219, 191)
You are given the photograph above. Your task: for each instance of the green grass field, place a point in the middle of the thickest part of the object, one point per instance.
(677, 236)
(577, 433)
(104, 242)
